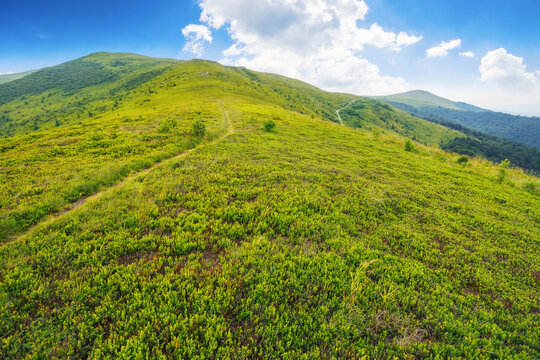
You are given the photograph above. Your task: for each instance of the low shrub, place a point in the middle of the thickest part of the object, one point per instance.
(269, 125)
(463, 160)
(409, 146)
(198, 129)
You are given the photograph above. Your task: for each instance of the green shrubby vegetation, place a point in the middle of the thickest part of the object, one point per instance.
(409, 146)
(464, 141)
(521, 129)
(198, 129)
(463, 160)
(503, 172)
(64, 161)
(69, 77)
(314, 241)
(269, 125)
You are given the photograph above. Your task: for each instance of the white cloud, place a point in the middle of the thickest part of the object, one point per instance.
(443, 48)
(319, 41)
(377, 37)
(354, 75)
(196, 36)
(500, 67)
(405, 39)
(508, 84)
(7, 73)
(467, 54)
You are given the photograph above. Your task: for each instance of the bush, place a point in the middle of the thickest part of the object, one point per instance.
(463, 160)
(502, 172)
(530, 186)
(198, 128)
(269, 125)
(167, 125)
(409, 146)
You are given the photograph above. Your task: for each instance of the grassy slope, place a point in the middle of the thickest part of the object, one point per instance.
(89, 139)
(72, 92)
(314, 240)
(377, 116)
(10, 77)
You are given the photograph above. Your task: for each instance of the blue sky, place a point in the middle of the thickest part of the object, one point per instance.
(363, 47)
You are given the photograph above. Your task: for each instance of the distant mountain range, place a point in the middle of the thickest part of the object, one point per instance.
(10, 77)
(421, 98)
(523, 129)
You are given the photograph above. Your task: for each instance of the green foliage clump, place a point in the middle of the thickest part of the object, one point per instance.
(167, 126)
(269, 125)
(463, 160)
(503, 170)
(199, 128)
(530, 186)
(409, 146)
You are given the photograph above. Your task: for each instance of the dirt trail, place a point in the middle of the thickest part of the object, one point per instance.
(343, 108)
(97, 196)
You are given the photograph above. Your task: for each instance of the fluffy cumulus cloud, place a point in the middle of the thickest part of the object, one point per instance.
(196, 36)
(443, 48)
(498, 66)
(320, 41)
(467, 54)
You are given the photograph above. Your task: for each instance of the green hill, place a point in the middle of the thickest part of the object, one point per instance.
(131, 232)
(373, 115)
(522, 129)
(421, 98)
(10, 77)
(381, 117)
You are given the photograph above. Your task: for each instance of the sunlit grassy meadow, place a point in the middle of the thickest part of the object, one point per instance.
(312, 240)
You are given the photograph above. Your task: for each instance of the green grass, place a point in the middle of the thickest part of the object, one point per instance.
(313, 240)
(81, 142)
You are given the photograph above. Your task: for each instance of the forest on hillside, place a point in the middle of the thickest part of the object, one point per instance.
(523, 129)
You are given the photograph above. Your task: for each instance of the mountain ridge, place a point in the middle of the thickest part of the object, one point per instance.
(521, 129)
(4, 78)
(422, 98)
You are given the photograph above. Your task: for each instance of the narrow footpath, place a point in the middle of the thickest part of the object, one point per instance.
(98, 195)
(343, 108)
